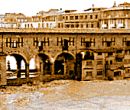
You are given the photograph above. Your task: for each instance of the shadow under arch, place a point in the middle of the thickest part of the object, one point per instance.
(64, 64)
(44, 64)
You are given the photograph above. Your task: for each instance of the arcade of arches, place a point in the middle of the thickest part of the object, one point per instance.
(39, 66)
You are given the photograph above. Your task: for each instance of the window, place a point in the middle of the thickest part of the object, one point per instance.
(128, 43)
(108, 44)
(81, 17)
(117, 73)
(99, 73)
(119, 51)
(127, 70)
(67, 26)
(88, 73)
(71, 41)
(92, 25)
(41, 43)
(65, 44)
(88, 44)
(86, 25)
(98, 25)
(76, 17)
(89, 63)
(99, 53)
(72, 26)
(110, 53)
(86, 16)
(119, 59)
(59, 41)
(66, 17)
(126, 51)
(110, 62)
(58, 25)
(96, 16)
(91, 17)
(71, 17)
(14, 43)
(81, 25)
(99, 63)
(77, 25)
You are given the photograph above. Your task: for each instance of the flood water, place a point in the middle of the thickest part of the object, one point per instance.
(69, 95)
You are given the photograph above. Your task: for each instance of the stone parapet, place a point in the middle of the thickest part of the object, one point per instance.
(57, 30)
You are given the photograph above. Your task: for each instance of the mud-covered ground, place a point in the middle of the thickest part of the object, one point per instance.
(68, 95)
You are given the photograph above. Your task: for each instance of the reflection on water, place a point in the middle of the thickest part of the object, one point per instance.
(72, 95)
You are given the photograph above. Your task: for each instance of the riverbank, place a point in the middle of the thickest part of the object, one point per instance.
(66, 93)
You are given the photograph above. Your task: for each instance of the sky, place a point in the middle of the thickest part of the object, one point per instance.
(31, 7)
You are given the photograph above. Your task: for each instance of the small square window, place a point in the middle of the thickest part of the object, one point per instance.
(99, 63)
(99, 72)
(88, 73)
(91, 17)
(99, 53)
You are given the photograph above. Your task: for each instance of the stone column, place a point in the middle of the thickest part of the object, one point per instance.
(109, 23)
(41, 71)
(126, 23)
(94, 74)
(65, 66)
(52, 69)
(27, 72)
(19, 69)
(117, 22)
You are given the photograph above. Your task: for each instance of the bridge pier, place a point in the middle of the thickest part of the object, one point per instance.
(27, 72)
(52, 69)
(19, 68)
(65, 67)
(3, 75)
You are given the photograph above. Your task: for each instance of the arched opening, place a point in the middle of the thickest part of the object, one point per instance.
(45, 65)
(64, 64)
(32, 65)
(15, 66)
(32, 68)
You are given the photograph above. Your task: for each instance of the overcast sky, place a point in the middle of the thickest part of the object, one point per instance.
(31, 7)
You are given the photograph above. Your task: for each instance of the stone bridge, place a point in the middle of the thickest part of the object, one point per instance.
(54, 50)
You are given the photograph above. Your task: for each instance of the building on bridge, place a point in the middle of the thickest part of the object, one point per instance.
(65, 53)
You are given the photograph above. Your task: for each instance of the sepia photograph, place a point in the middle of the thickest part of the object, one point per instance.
(64, 54)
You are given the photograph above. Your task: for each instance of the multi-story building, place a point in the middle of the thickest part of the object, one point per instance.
(116, 17)
(87, 19)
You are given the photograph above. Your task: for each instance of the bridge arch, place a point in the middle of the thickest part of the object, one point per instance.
(69, 53)
(43, 63)
(64, 64)
(20, 60)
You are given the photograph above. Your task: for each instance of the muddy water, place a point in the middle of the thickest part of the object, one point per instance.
(68, 95)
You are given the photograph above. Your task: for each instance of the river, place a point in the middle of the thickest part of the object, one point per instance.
(68, 95)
